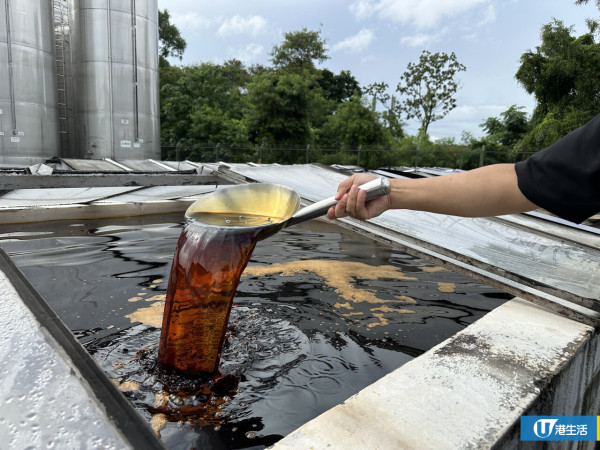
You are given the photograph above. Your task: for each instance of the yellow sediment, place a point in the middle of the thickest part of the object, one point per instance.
(152, 315)
(340, 275)
(433, 269)
(161, 398)
(343, 305)
(446, 287)
(157, 422)
(125, 385)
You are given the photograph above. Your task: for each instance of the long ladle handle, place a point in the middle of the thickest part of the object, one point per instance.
(375, 188)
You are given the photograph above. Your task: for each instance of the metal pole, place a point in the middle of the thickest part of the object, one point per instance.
(11, 81)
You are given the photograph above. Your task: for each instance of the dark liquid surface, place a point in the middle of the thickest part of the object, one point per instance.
(292, 343)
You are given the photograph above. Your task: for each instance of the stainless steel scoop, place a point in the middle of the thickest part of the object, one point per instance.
(275, 206)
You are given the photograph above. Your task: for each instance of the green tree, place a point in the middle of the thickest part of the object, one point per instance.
(299, 51)
(562, 74)
(338, 88)
(279, 108)
(170, 41)
(205, 104)
(355, 126)
(593, 24)
(285, 103)
(392, 113)
(509, 128)
(429, 87)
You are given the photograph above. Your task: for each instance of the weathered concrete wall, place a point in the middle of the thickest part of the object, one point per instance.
(575, 391)
(471, 390)
(44, 401)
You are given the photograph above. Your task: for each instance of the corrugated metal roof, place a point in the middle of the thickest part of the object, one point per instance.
(24, 198)
(161, 193)
(92, 165)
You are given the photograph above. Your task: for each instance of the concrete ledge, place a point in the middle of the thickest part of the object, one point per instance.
(44, 400)
(52, 393)
(471, 390)
(91, 211)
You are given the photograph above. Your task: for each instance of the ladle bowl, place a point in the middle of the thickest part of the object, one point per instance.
(245, 205)
(271, 206)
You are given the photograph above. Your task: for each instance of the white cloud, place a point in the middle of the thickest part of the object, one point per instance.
(362, 8)
(422, 14)
(249, 54)
(189, 20)
(356, 43)
(489, 16)
(421, 40)
(252, 25)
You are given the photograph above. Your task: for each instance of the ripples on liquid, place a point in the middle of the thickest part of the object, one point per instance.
(291, 352)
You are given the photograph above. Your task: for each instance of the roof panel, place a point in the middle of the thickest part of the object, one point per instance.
(161, 193)
(179, 165)
(58, 196)
(141, 165)
(92, 165)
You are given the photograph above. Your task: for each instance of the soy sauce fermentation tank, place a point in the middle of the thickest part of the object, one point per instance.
(115, 79)
(28, 103)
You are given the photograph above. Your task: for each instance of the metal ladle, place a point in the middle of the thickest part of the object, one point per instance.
(275, 205)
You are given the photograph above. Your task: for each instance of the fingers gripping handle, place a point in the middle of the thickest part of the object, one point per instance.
(375, 188)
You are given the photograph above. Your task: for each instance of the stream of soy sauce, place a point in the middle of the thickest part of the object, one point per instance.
(209, 259)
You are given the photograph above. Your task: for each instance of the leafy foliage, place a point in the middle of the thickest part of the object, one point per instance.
(509, 128)
(278, 108)
(170, 41)
(429, 87)
(203, 103)
(299, 51)
(338, 88)
(562, 74)
(210, 110)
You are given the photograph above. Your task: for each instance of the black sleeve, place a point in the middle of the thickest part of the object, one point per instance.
(565, 177)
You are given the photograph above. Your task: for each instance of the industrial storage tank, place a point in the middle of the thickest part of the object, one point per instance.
(115, 79)
(28, 107)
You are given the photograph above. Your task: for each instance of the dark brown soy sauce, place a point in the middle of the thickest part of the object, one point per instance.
(211, 254)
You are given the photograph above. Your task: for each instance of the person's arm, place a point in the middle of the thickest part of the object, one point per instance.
(487, 191)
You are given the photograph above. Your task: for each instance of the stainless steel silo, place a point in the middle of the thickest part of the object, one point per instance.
(115, 79)
(28, 109)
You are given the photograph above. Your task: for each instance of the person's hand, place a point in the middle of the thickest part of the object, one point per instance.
(351, 200)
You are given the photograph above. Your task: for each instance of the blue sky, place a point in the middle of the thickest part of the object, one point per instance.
(376, 39)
